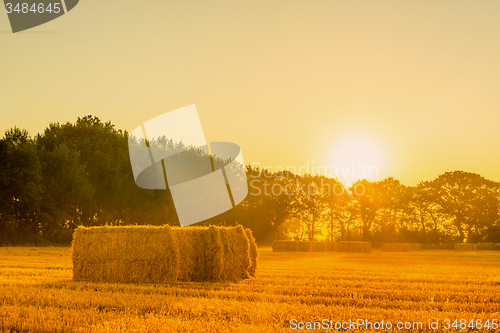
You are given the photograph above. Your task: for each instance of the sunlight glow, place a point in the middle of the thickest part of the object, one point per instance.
(356, 158)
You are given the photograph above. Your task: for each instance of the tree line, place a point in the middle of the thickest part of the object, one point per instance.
(455, 207)
(80, 174)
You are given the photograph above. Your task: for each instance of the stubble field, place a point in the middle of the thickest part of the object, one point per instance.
(37, 294)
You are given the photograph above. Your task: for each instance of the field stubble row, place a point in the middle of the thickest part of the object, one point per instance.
(38, 294)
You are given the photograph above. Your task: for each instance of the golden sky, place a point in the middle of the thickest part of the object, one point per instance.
(289, 81)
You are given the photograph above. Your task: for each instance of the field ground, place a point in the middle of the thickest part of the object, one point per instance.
(38, 295)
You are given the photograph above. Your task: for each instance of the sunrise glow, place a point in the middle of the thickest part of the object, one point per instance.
(356, 158)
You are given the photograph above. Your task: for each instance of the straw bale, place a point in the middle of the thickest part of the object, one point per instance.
(286, 246)
(331, 246)
(349, 246)
(149, 254)
(466, 247)
(253, 252)
(391, 247)
(415, 247)
(398, 247)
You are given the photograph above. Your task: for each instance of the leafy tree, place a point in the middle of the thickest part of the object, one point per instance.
(309, 203)
(393, 198)
(266, 206)
(367, 199)
(470, 200)
(20, 188)
(427, 214)
(115, 198)
(340, 212)
(80, 174)
(65, 189)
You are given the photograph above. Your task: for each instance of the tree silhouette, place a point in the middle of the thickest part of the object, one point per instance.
(470, 200)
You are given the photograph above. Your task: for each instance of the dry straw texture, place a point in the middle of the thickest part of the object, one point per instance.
(466, 247)
(253, 252)
(364, 247)
(147, 254)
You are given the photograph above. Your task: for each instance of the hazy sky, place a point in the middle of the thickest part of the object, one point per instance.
(415, 83)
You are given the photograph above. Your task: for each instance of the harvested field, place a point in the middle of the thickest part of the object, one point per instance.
(37, 293)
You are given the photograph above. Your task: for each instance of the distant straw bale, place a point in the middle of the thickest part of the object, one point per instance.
(348, 246)
(466, 247)
(305, 246)
(286, 246)
(302, 246)
(318, 246)
(149, 254)
(400, 247)
(415, 247)
(405, 247)
(331, 246)
(391, 247)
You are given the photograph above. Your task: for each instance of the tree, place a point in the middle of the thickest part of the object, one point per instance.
(427, 214)
(114, 197)
(340, 212)
(309, 203)
(393, 198)
(470, 200)
(20, 188)
(65, 189)
(366, 196)
(267, 206)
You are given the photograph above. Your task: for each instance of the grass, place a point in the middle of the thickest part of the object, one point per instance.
(37, 293)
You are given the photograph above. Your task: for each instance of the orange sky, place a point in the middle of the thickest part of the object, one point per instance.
(289, 81)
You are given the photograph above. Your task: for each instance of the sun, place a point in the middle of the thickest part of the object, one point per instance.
(356, 158)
